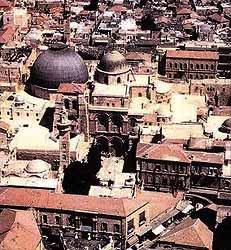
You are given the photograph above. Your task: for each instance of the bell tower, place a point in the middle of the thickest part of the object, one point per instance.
(63, 127)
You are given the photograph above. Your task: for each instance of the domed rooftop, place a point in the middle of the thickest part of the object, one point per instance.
(113, 62)
(19, 99)
(58, 64)
(37, 166)
(226, 126)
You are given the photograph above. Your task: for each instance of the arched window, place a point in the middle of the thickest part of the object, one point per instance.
(118, 80)
(212, 67)
(106, 79)
(139, 94)
(175, 65)
(103, 122)
(202, 66)
(117, 120)
(197, 66)
(191, 66)
(185, 66)
(132, 122)
(74, 104)
(170, 65)
(66, 104)
(181, 66)
(117, 146)
(207, 66)
(150, 178)
(227, 184)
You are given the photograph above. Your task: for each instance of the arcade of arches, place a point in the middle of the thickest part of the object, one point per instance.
(107, 123)
(113, 145)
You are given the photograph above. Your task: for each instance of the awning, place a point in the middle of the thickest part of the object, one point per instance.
(188, 209)
(158, 230)
(143, 230)
(133, 240)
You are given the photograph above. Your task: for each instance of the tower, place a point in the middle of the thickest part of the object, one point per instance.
(63, 126)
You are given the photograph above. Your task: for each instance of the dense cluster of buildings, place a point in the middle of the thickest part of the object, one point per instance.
(115, 123)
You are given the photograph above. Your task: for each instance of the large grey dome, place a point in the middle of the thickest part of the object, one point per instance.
(58, 64)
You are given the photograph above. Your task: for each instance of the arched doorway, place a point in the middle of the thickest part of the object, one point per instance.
(117, 147)
(132, 122)
(117, 122)
(103, 144)
(66, 104)
(102, 122)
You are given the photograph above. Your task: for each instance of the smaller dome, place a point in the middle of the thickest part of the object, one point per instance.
(113, 62)
(19, 99)
(226, 126)
(37, 166)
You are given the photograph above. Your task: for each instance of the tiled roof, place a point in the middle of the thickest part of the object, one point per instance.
(7, 34)
(215, 158)
(191, 232)
(138, 56)
(118, 8)
(71, 88)
(160, 203)
(4, 126)
(218, 18)
(18, 230)
(192, 54)
(5, 4)
(184, 11)
(13, 197)
(162, 152)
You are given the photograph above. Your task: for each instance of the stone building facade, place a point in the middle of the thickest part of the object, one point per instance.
(217, 91)
(188, 65)
(171, 168)
(82, 217)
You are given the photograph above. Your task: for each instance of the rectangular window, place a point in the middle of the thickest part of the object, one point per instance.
(116, 228)
(94, 226)
(44, 218)
(71, 220)
(130, 226)
(104, 227)
(157, 167)
(142, 218)
(150, 166)
(57, 220)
